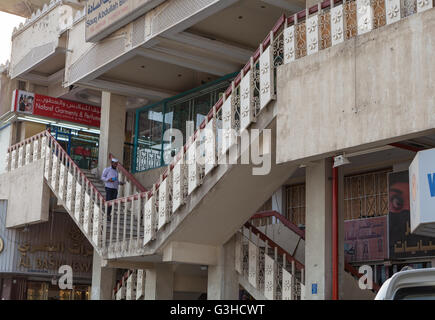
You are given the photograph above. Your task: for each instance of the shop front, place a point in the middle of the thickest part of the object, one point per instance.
(31, 257)
(74, 125)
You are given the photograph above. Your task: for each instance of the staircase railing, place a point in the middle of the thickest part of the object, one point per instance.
(266, 218)
(140, 217)
(131, 286)
(267, 267)
(132, 185)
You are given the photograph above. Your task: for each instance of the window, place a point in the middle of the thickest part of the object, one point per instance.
(295, 200)
(416, 293)
(366, 195)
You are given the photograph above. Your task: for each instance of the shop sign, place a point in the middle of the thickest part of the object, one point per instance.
(103, 17)
(422, 177)
(55, 108)
(403, 242)
(366, 239)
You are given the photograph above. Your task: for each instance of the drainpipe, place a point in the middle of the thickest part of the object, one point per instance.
(335, 233)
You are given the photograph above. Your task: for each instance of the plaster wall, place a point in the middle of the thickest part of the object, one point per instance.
(371, 90)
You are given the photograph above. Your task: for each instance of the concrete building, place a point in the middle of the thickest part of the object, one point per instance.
(265, 143)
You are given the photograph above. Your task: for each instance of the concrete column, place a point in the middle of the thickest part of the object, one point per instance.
(278, 201)
(341, 276)
(112, 128)
(103, 280)
(223, 283)
(318, 235)
(159, 282)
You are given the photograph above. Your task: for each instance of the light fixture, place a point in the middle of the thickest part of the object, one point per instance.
(340, 161)
(204, 268)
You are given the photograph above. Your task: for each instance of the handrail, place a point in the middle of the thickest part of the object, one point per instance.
(87, 181)
(287, 223)
(347, 266)
(271, 243)
(127, 174)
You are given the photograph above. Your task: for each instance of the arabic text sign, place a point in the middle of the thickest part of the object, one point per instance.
(365, 239)
(403, 243)
(106, 16)
(55, 108)
(422, 189)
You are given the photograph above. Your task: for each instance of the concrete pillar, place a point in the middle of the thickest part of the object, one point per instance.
(223, 283)
(159, 282)
(341, 276)
(103, 280)
(278, 201)
(112, 128)
(318, 235)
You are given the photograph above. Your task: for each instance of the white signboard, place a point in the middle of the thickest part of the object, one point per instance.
(103, 17)
(422, 193)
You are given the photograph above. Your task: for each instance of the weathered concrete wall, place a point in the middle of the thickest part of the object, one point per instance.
(371, 90)
(149, 177)
(27, 194)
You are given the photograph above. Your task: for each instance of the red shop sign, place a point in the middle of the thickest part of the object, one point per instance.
(39, 105)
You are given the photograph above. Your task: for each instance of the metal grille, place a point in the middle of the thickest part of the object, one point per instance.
(295, 196)
(366, 195)
(138, 31)
(33, 57)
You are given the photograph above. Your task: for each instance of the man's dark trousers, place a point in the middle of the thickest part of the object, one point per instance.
(111, 194)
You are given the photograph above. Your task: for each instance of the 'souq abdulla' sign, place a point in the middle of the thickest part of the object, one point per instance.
(103, 17)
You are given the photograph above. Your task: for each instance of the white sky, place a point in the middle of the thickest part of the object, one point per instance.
(7, 24)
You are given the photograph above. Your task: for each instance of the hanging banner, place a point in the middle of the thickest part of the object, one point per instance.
(366, 239)
(404, 244)
(55, 108)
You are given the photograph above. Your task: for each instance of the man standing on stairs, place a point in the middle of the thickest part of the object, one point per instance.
(111, 182)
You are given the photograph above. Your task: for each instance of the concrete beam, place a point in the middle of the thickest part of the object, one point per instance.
(125, 264)
(191, 253)
(292, 6)
(231, 52)
(187, 60)
(129, 89)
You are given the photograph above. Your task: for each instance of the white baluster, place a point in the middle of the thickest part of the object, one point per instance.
(364, 16)
(267, 86)
(62, 177)
(164, 200)
(149, 220)
(289, 44)
(97, 221)
(229, 136)
(55, 170)
(124, 235)
(247, 98)
(29, 156)
(392, 11)
(44, 146)
(20, 156)
(312, 30)
(36, 150)
(287, 285)
(253, 264)
(87, 210)
(210, 146)
(140, 286)
(48, 162)
(270, 271)
(194, 168)
(239, 253)
(178, 175)
(131, 287)
(337, 24)
(8, 161)
(71, 188)
(79, 200)
(14, 159)
(423, 5)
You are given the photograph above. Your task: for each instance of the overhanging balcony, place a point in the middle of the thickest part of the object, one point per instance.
(39, 45)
